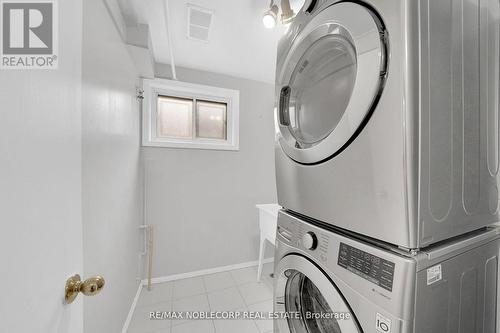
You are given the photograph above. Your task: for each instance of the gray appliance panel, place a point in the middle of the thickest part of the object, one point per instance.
(366, 296)
(459, 133)
(425, 167)
(365, 188)
(463, 299)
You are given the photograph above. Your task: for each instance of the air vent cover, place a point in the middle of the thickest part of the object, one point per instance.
(199, 22)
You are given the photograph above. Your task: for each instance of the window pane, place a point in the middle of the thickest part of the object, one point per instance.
(174, 117)
(211, 120)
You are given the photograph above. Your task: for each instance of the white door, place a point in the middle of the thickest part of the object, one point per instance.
(40, 188)
(330, 81)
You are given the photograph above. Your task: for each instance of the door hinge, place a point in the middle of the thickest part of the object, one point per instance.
(140, 94)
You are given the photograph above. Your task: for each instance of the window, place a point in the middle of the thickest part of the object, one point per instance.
(184, 115)
(174, 117)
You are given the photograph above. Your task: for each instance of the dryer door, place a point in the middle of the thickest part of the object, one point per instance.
(312, 302)
(330, 81)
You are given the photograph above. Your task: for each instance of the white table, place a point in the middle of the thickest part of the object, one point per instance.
(268, 219)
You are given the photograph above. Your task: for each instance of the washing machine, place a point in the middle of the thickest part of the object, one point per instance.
(330, 282)
(388, 117)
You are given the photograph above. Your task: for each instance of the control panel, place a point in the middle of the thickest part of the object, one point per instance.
(301, 236)
(372, 268)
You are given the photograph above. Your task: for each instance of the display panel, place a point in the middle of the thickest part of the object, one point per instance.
(372, 268)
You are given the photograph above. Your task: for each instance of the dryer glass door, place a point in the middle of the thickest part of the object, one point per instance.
(320, 88)
(329, 82)
(302, 289)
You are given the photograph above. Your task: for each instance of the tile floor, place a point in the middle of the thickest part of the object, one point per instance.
(235, 290)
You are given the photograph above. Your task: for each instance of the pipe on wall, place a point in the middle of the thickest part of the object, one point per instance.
(169, 38)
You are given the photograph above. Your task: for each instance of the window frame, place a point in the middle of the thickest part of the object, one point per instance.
(169, 88)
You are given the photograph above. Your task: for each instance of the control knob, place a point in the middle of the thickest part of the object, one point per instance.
(309, 240)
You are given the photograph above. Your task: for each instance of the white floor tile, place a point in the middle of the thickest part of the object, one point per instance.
(264, 325)
(227, 291)
(142, 323)
(265, 307)
(191, 303)
(255, 292)
(188, 287)
(165, 330)
(197, 303)
(266, 277)
(218, 281)
(245, 275)
(268, 270)
(235, 326)
(160, 293)
(196, 326)
(225, 300)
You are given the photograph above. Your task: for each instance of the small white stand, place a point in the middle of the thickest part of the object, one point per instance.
(268, 219)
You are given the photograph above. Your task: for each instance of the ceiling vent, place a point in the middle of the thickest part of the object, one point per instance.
(199, 22)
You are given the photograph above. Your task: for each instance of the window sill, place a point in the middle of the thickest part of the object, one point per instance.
(192, 145)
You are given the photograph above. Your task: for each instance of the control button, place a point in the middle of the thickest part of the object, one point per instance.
(309, 241)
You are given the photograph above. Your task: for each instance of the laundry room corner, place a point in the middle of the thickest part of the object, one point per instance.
(220, 228)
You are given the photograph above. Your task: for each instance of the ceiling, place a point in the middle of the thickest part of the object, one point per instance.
(239, 45)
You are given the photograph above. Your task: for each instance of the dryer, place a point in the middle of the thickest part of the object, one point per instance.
(326, 281)
(388, 117)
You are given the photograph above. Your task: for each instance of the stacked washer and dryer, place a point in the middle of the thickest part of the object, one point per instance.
(387, 166)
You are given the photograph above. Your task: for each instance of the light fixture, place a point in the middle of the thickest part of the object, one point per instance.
(287, 13)
(270, 16)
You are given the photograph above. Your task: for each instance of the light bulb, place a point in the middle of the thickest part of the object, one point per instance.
(268, 20)
(270, 17)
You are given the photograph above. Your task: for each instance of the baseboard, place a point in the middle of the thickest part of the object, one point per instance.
(132, 309)
(220, 269)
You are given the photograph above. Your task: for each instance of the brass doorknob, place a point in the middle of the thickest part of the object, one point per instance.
(90, 287)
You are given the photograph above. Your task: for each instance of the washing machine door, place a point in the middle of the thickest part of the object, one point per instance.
(307, 301)
(330, 81)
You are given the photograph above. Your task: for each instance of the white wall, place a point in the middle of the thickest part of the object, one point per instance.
(40, 188)
(202, 202)
(111, 170)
